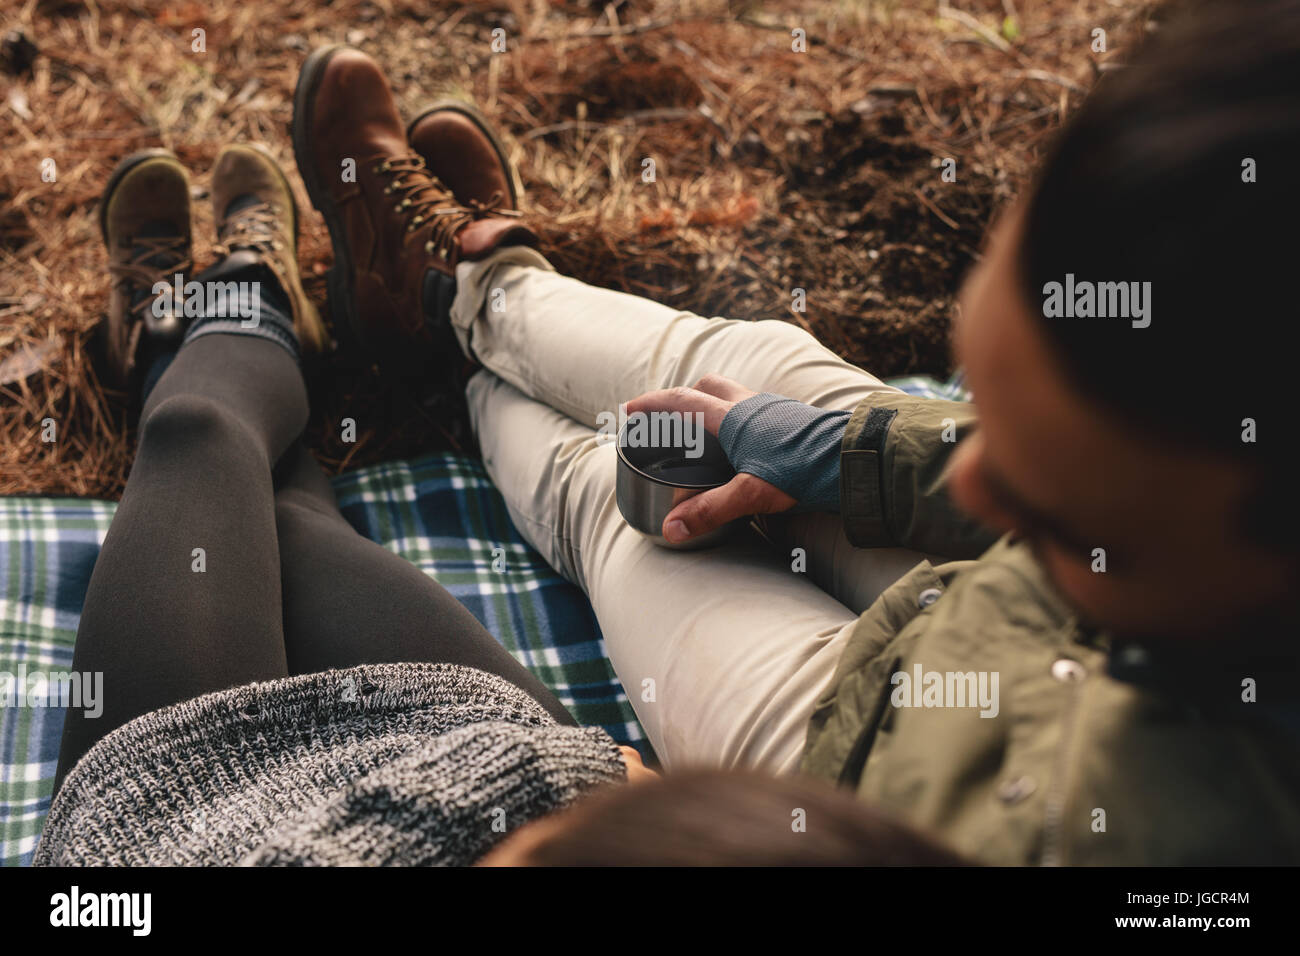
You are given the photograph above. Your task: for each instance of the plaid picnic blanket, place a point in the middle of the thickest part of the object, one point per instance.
(440, 512)
(952, 390)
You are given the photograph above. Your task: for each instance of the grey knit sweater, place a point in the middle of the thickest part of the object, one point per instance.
(407, 764)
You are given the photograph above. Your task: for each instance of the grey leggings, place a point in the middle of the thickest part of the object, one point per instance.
(288, 587)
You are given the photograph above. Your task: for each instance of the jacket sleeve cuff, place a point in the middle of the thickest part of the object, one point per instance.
(862, 453)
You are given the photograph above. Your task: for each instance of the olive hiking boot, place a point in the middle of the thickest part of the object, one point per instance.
(144, 217)
(256, 214)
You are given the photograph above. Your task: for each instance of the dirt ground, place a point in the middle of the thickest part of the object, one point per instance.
(775, 169)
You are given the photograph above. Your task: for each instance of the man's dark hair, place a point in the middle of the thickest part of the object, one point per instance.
(1146, 184)
(734, 818)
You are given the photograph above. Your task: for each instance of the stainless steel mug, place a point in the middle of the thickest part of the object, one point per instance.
(652, 481)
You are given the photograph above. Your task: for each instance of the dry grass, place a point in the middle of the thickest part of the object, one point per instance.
(774, 169)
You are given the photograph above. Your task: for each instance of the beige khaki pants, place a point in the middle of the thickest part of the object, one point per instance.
(723, 652)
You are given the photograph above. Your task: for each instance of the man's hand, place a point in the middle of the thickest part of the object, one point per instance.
(745, 494)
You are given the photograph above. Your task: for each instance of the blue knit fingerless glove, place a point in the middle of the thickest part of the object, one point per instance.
(793, 446)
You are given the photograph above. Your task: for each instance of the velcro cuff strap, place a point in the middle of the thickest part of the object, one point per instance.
(862, 458)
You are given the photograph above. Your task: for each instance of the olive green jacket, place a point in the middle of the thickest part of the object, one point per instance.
(1097, 751)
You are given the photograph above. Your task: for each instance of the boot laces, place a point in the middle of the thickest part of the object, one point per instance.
(253, 227)
(155, 260)
(423, 199)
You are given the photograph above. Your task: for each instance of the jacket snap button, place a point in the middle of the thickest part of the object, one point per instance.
(928, 597)
(1133, 656)
(1013, 791)
(1066, 670)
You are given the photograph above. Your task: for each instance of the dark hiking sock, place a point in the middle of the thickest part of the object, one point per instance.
(272, 319)
(272, 316)
(438, 293)
(161, 360)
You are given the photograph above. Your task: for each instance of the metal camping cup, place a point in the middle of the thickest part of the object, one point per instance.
(653, 481)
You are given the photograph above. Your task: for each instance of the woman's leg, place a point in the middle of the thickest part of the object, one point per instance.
(185, 595)
(349, 601)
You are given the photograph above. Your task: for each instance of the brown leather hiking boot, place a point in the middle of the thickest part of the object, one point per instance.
(390, 219)
(459, 147)
(144, 217)
(266, 226)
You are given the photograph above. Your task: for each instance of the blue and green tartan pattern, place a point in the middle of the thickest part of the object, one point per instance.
(48, 547)
(440, 512)
(953, 390)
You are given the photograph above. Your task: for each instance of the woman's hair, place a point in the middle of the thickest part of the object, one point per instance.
(723, 818)
(1150, 182)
